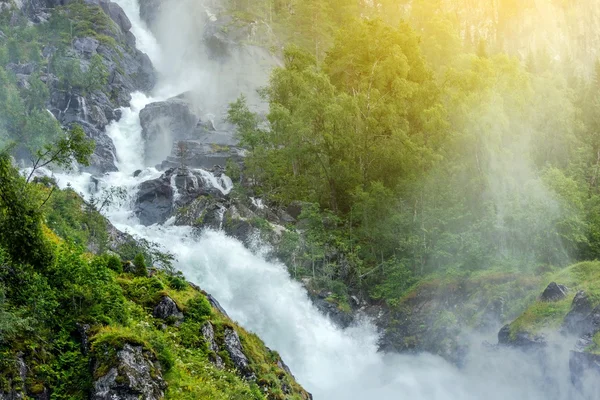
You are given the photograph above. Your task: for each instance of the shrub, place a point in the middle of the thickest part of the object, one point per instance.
(198, 309)
(140, 265)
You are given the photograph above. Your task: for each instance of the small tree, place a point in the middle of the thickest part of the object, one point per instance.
(140, 265)
(72, 145)
(97, 74)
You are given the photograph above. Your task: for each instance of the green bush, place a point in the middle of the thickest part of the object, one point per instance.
(198, 309)
(140, 265)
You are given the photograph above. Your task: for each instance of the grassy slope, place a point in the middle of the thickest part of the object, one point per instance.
(540, 316)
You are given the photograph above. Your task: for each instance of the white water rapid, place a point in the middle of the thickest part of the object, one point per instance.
(331, 363)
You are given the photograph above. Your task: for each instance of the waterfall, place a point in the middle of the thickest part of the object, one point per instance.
(329, 362)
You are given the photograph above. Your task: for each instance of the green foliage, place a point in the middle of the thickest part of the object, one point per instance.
(72, 219)
(541, 315)
(198, 309)
(20, 218)
(139, 262)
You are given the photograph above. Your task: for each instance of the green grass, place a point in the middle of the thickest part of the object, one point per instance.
(542, 315)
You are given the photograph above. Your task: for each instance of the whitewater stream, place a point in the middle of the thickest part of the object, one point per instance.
(329, 362)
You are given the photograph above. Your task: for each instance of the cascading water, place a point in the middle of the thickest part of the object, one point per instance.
(260, 295)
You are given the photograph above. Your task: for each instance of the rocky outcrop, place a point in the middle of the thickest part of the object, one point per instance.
(523, 340)
(331, 309)
(584, 369)
(554, 292)
(167, 310)
(574, 322)
(163, 123)
(208, 333)
(128, 70)
(154, 201)
(177, 188)
(208, 150)
(213, 302)
(233, 346)
(136, 374)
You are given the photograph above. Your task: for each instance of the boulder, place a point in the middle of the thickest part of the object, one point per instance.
(167, 309)
(176, 190)
(154, 201)
(554, 292)
(136, 375)
(163, 123)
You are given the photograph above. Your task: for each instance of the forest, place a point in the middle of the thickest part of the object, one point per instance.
(419, 149)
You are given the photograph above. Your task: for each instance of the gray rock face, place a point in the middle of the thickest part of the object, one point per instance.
(157, 199)
(574, 322)
(337, 316)
(167, 309)
(208, 333)
(209, 150)
(554, 292)
(234, 348)
(164, 122)
(585, 369)
(116, 13)
(522, 340)
(137, 375)
(128, 70)
(86, 46)
(149, 9)
(213, 302)
(154, 202)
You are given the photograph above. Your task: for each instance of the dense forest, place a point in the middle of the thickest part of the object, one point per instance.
(420, 149)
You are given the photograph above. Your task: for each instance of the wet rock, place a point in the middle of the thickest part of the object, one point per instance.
(154, 201)
(584, 369)
(136, 375)
(103, 158)
(574, 322)
(523, 340)
(149, 10)
(203, 212)
(554, 292)
(163, 123)
(234, 347)
(208, 333)
(213, 302)
(340, 318)
(207, 151)
(116, 13)
(167, 309)
(176, 189)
